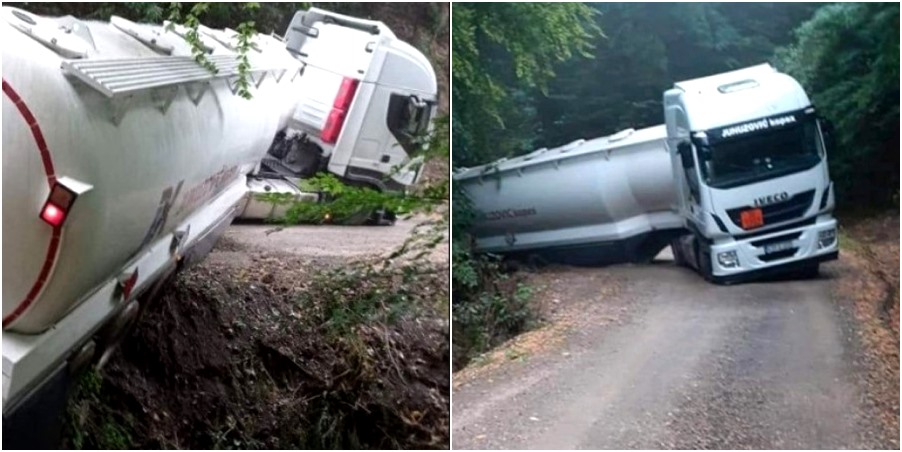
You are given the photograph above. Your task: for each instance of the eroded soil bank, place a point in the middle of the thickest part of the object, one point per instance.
(257, 348)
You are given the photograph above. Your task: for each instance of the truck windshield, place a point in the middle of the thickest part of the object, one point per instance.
(761, 156)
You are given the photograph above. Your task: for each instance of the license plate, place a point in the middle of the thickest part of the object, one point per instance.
(775, 247)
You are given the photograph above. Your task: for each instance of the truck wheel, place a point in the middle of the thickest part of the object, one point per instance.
(378, 217)
(383, 217)
(679, 258)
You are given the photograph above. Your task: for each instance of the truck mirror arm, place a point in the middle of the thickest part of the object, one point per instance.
(685, 151)
(827, 130)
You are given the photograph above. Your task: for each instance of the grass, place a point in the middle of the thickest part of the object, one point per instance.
(492, 317)
(106, 431)
(849, 243)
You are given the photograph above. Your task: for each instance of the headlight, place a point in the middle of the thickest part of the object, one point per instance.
(826, 238)
(728, 259)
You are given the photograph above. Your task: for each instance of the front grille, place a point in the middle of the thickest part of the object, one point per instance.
(779, 212)
(778, 255)
(778, 239)
(797, 224)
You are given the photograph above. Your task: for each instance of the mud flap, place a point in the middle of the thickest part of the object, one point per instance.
(37, 423)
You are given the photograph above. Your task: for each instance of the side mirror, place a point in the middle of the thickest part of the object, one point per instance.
(418, 113)
(829, 134)
(685, 151)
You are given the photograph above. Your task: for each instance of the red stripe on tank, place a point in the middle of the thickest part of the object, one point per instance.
(53, 248)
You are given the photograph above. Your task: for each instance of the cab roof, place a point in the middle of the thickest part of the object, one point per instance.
(736, 96)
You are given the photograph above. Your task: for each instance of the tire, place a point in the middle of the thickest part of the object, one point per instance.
(703, 259)
(679, 258)
(360, 218)
(379, 217)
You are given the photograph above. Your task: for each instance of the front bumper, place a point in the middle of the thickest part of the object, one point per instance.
(801, 249)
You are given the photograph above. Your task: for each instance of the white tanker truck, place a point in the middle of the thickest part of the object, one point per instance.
(124, 160)
(736, 181)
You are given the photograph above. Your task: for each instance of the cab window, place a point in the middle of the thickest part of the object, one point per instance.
(408, 119)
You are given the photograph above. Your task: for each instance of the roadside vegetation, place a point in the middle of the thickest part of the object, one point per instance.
(500, 52)
(867, 290)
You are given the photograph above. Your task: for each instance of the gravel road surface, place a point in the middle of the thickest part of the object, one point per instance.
(329, 244)
(688, 365)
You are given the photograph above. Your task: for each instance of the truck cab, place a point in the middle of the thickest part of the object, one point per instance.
(749, 158)
(360, 116)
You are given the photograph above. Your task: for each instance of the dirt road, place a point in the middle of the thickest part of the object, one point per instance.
(324, 241)
(669, 361)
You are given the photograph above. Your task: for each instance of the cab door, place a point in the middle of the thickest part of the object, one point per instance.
(683, 163)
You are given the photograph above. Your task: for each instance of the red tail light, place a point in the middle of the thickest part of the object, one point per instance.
(334, 123)
(345, 93)
(57, 205)
(53, 215)
(336, 119)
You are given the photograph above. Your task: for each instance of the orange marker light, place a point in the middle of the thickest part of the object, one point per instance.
(751, 219)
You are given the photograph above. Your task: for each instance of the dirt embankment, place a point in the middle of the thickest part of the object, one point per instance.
(257, 348)
(868, 289)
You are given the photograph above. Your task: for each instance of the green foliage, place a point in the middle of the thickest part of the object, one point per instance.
(348, 204)
(504, 56)
(342, 203)
(491, 317)
(649, 46)
(115, 436)
(90, 423)
(246, 32)
(847, 58)
(488, 305)
(347, 297)
(191, 21)
(500, 49)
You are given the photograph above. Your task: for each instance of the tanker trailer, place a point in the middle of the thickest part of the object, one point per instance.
(600, 201)
(123, 161)
(739, 180)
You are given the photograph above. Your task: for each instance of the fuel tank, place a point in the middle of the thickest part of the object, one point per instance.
(137, 133)
(603, 191)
